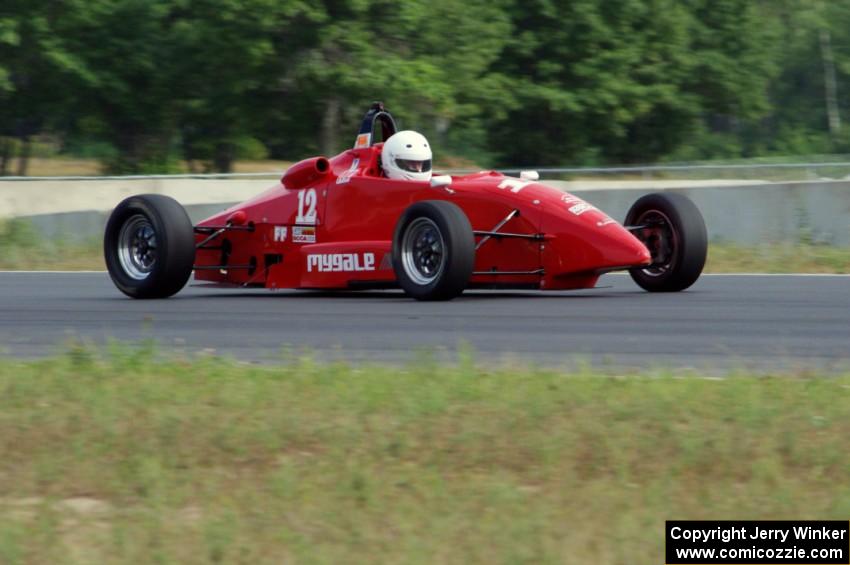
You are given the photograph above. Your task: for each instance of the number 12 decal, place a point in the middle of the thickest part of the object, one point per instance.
(307, 201)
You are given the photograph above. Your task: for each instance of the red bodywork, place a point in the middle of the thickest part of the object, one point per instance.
(330, 224)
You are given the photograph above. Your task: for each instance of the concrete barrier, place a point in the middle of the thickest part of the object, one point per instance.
(768, 213)
(77, 210)
(745, 212)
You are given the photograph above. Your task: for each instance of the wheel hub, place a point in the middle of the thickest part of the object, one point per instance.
(137, 247)
(423, 251)
(660, 239)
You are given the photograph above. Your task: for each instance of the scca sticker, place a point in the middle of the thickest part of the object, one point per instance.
(303, 234)
(341, 262)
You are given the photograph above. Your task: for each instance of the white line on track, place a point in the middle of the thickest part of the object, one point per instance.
(775, 275)
(757, 274)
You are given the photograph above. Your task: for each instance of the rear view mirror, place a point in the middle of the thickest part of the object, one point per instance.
(441, 180)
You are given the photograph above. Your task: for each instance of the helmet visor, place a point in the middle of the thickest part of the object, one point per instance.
(412, 166)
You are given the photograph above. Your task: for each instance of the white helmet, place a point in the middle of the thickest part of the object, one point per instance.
(407, 156)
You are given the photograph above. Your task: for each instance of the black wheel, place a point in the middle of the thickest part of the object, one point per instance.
(433, 250)
(674, 232)
(149, 246)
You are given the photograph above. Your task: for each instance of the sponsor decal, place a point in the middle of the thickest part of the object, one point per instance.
(576, 205)
(581, 208)
(606, 222)
(386, 262)
(340, 262)
(363, 140)
(515, 184)
(346, 176)
(303, 234)
(280, 233)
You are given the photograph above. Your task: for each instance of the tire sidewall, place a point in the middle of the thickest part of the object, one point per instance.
(459, 250)
(175, 246)
(692, 241)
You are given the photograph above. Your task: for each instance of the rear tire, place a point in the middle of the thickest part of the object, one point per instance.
(149, 246)
(675, 236)
(433, 250)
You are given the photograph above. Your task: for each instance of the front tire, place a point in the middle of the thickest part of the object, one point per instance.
(149, 246)
(675, 235)
(433, 250)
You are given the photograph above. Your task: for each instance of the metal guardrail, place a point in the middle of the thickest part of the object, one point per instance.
(670, 168)
(767, 171)
(648, 171)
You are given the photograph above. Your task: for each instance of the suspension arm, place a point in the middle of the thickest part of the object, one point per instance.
(489, 234)
(215, 231)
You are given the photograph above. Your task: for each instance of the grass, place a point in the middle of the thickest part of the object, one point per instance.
(23, 248)
(778, 258)
(114, 458)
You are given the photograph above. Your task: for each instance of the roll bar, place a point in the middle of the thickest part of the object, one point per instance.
(377, 113)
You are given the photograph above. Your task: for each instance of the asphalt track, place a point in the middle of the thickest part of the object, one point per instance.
(755, 322)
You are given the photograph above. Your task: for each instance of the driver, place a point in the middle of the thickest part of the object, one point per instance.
(407, 156)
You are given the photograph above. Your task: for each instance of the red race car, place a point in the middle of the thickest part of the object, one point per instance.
(375, 217)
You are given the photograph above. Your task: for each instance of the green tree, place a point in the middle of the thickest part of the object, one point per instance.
(514, 82)
(118, 60)
(627, 80)
(813, 44)
(31, 93)
(227, 53)
(347, 53)
(428, 61)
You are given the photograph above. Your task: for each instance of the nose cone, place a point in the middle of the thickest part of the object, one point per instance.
(591, 243)
(634, 252)
(618, 248)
